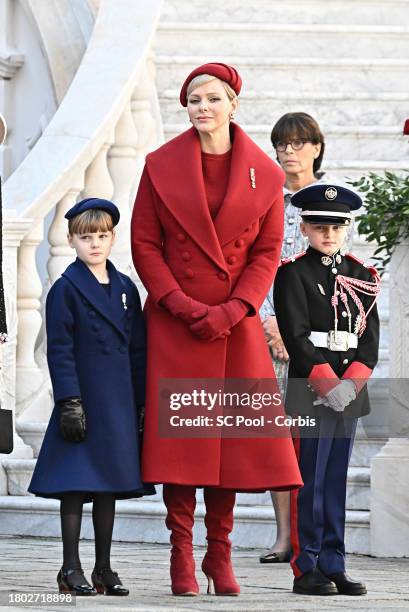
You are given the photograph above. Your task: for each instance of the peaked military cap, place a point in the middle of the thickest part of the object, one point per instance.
(97, 204)
(326, 204)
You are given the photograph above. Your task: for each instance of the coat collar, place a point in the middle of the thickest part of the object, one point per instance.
(175, 170)
(110, 307)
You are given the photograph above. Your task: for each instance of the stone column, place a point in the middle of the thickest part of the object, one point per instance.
(13, 231)
(390, 468)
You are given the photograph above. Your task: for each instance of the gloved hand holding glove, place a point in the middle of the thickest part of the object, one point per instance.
(340, 396)
(182, 306)
(219, 319)
(72, 419)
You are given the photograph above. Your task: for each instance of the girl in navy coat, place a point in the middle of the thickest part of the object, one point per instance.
(96, 358)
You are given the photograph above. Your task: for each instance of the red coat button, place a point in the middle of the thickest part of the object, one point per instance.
(181, 237)
(222, 275)
(239, 243)
(186, 256)
(189, 273)
(231, 259)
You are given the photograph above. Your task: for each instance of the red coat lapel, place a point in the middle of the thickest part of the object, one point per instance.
(175, 170)
(243, 203)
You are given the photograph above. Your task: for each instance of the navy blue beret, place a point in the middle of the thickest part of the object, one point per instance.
(97, 204)
(324, 203)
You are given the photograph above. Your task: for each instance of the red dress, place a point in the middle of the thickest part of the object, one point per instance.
(177, 245)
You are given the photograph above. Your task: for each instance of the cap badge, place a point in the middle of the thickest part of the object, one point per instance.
(331, 193)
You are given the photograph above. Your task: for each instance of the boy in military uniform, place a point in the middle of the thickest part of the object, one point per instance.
(326, 313)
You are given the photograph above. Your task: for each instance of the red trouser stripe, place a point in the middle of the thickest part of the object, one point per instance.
(295, 540)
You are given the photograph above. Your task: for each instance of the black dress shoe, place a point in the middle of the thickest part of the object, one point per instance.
(108, 582)
(347, 586)
(74, 581)
(283, 556)
(314, 583)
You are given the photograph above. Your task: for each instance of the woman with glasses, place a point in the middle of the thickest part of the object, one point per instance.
(299, 146)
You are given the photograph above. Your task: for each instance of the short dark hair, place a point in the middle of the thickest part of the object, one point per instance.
(299, 125)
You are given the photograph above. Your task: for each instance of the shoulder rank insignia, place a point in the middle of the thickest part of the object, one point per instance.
(287, 260)
(370, 268)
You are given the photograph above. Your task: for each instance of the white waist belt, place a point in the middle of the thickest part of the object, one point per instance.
(334, 341)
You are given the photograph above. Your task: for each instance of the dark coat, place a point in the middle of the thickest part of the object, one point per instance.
(301, 308)
(176, 245)
(96, 351)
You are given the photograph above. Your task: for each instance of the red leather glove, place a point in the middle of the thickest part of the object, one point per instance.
(219, 319)
(182, 306)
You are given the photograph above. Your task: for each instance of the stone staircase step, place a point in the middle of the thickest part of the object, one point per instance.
(143, 521)
(349, 12)
(342, 108)
(290, 73)
(32, 434)
(381, 142)
(315, 40)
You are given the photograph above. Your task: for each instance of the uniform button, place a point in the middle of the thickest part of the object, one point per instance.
(239, 243)
(334, 271)
(222, 275)
(290, 220)
(122, 349)
(345, 361)
(92, 314)
(289, 241)
(344, 313)
(186, 256)
(181, 237)
(189, 273)
(231, 259)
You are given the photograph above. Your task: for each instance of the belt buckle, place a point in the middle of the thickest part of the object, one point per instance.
(338, 340)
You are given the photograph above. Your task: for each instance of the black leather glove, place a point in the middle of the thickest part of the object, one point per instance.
(72, 419)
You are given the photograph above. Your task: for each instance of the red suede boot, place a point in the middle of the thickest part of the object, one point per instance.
(180, 502)
(219, 523)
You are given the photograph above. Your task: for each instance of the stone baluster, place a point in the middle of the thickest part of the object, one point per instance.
(121, 165)
(29, 290)
(141, 105)
(98, 182)
(61, 254)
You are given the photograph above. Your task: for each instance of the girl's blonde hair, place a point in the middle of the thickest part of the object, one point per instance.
(90, 221)
(201, 79)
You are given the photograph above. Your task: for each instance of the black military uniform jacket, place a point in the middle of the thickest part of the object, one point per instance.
(303, 289)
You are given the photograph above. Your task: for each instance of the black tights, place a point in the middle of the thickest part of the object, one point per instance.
(103, 512)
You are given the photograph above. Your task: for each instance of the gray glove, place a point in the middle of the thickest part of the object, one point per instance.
(341, 396)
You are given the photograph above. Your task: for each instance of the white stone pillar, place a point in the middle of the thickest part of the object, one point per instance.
(390, 468)
(13, 231)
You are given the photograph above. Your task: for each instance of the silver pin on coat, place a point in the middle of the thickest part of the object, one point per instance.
(124, 301)
(253, 177)
(321, 288)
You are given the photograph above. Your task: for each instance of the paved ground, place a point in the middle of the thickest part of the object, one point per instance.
(31, 565)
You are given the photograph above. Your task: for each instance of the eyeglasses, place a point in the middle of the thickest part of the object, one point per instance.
(296, 145)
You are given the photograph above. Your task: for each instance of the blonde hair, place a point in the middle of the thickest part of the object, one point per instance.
(201, 79)
(90, 221)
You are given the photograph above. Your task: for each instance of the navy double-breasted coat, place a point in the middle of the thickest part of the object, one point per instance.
(96, 351)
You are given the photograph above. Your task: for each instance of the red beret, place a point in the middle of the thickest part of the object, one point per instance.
(406, 127)
(221, 71)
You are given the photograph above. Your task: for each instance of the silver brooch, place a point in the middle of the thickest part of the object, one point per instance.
(124, 301)
(331, 193)
(253, 177)
(338, 258)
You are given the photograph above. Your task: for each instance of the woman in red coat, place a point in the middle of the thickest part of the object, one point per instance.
(207, 229)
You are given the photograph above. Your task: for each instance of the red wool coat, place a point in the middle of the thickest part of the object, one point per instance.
(176, 245)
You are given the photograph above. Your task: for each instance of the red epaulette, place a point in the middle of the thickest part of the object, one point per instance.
(370, 269)
(287, 260)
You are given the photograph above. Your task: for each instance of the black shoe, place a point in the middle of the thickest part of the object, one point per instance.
(276, 557)
(74, 581)
(314, 583)
(347, 586)
(108, 582)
